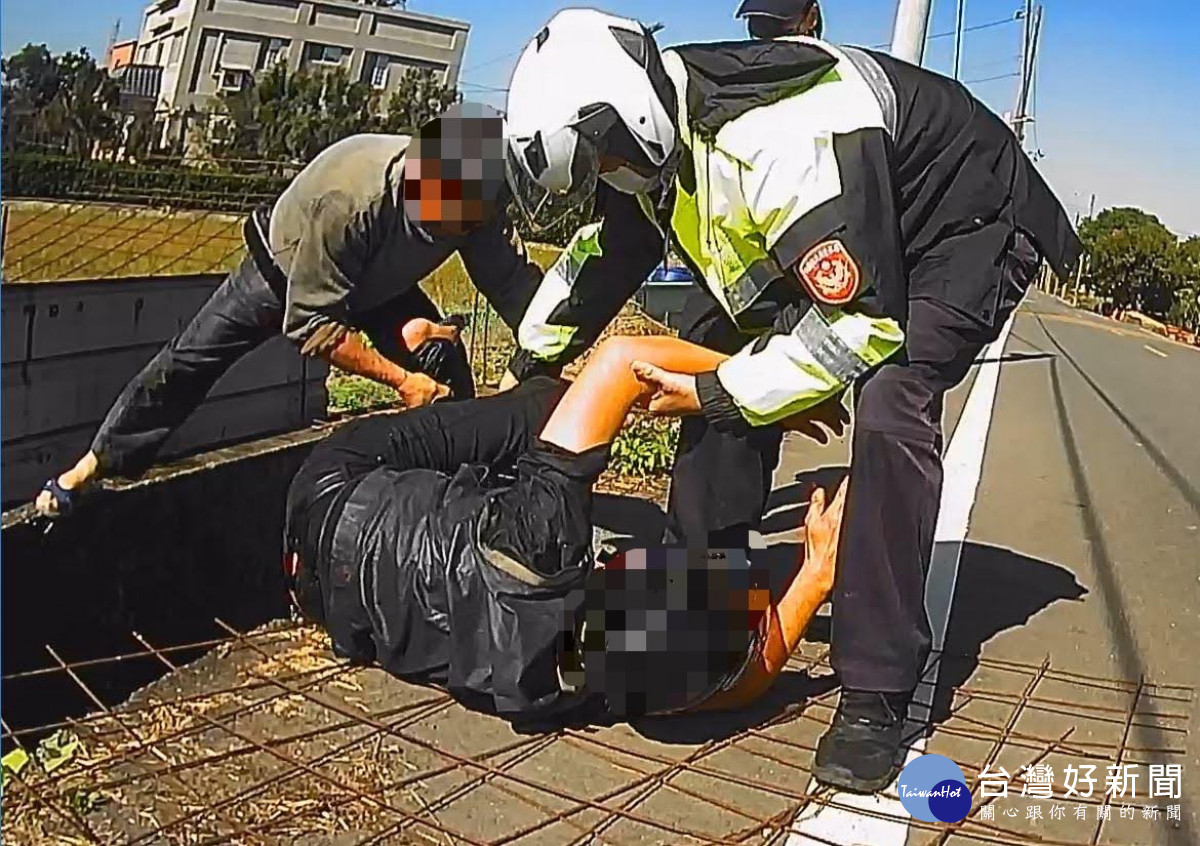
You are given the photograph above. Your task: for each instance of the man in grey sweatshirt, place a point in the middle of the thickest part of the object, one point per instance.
(340, 253)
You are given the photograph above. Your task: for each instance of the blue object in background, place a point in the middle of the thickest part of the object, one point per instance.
(668, 275)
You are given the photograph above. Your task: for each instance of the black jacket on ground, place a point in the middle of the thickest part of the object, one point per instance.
(414, 525)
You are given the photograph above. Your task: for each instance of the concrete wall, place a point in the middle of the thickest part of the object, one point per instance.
(195, 540)
(68, 348)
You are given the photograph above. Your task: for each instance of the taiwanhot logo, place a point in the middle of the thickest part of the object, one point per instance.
(932, 788)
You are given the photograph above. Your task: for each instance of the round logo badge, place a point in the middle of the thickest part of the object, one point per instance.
(932, 788)
(829, 273)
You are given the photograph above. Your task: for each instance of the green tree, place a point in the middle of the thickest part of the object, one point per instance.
(418, 99)
(291, 117)
(1185, 311)
(85, 111)
(31, 77)
(68, 99)
(1133, 260)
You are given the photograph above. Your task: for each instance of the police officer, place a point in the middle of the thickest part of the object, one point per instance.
(767, 19)
(870, 221)
(341, 251)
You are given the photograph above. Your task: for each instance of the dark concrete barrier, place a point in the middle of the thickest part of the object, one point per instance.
(69, 348)
(195, 540)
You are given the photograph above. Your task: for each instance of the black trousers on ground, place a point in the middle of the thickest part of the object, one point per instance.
(240, 315)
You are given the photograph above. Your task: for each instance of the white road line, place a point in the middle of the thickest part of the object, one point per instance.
(1158, 353)
(963, 463)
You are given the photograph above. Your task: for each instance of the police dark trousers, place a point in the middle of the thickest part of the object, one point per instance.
(245, 311)
(880, 637)
(721, 480)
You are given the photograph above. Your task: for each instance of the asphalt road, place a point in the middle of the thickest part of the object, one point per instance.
(1083, 551)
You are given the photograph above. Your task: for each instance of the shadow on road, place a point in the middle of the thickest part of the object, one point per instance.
(1014, 357)
(790, 690)
(998, 589)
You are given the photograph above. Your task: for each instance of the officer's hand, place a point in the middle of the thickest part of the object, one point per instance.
(830, 414)
(822, 530)
(672, 394)
(417, 390)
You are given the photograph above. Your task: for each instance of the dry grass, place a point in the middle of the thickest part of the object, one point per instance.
(51, 241)
(61, 241)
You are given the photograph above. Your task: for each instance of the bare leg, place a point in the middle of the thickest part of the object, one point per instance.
(596, 404)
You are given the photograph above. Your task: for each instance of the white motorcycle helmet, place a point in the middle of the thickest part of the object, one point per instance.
(588, 100)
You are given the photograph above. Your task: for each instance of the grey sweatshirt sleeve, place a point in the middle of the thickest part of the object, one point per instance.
(329, 254)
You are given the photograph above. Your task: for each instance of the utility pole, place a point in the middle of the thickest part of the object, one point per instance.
(1018, 118)
(958, 37)
(112, 42)
(1031, 37)
(910, 30)
(1092, 207)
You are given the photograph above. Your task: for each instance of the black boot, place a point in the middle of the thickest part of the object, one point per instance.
(861, 751)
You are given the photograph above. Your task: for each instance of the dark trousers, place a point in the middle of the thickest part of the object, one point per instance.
(721, 481)
(880, 636)
(240, 315)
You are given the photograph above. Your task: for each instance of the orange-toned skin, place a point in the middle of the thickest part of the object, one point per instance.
(416, 389)
(787, 621)
(594, 407)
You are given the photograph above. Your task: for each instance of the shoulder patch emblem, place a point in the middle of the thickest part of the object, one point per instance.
(829, 273)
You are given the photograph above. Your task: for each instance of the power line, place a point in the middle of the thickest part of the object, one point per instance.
(975, 28)
(992, 78)
(493, 61)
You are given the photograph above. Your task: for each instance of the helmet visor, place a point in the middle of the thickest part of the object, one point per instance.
(544, 193)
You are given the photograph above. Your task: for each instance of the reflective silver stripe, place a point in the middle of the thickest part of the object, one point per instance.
(880, 85)
(827, 348)
(743, 292)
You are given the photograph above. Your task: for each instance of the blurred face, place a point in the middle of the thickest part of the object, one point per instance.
(453, 174)
(663, 626)
(443, 207)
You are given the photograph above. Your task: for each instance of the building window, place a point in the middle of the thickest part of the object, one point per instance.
(323, 54)
(379, 72)
(233, 80)
(276, 52)
(176, 48)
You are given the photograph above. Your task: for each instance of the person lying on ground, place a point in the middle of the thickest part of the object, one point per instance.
(340, 254)
(453, 545)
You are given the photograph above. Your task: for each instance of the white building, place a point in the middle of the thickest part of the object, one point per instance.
(205, 47)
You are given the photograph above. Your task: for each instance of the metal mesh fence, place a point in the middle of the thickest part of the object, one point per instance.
(268, 739)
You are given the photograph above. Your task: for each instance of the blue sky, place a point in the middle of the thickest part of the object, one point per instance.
(1118, 97)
